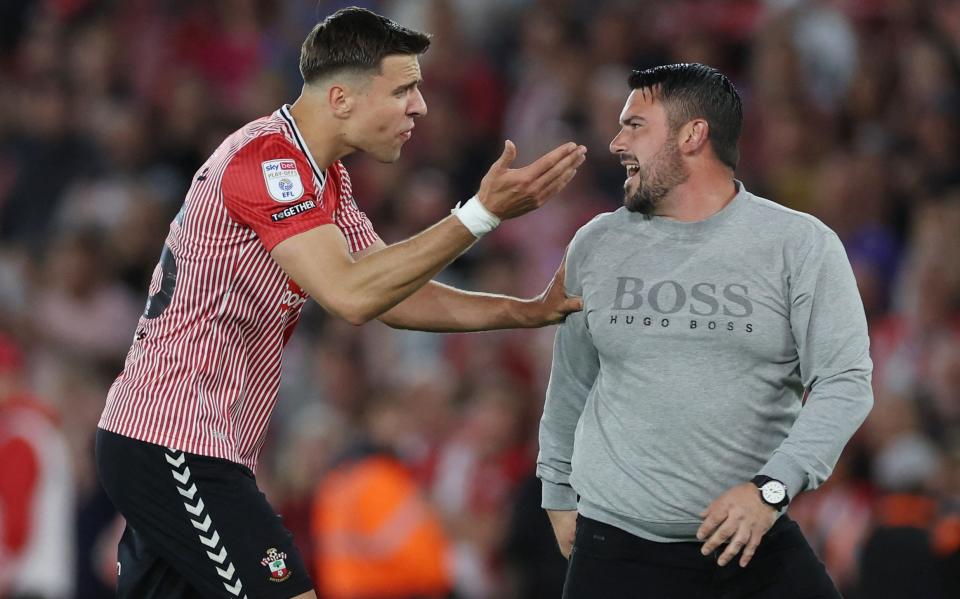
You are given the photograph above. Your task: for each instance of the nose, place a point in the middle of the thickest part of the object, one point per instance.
(616, 144)
(418, 106)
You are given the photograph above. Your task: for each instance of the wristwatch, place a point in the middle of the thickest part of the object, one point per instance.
(772, 491)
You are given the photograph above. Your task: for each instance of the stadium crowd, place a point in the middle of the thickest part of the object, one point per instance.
(107, 108)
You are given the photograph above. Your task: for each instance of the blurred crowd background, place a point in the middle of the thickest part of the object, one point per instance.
(108, 107)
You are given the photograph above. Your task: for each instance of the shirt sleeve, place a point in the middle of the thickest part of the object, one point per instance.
(573, 373)
(268, 186)
(830, 329)
(353, 223)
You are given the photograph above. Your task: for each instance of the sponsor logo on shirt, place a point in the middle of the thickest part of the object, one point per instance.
(282, 179)
(293, 297)
(293, 210)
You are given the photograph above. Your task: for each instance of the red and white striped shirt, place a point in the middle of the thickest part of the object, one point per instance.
(204, 369)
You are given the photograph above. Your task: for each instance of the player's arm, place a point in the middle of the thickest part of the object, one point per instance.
(436, 307)
(359, 291)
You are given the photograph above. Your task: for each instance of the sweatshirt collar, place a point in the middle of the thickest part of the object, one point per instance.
(695, 228)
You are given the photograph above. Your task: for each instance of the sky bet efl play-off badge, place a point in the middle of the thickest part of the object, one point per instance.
(278, 569)
(283, 180)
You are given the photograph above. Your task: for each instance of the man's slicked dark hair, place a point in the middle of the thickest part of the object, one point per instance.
(355, 39)
(689, 91)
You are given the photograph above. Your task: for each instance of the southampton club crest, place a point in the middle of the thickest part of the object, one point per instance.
(283, 179)
(278, 568)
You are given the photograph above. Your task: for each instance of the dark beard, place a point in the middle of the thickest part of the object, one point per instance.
(646, 199)
(665, 173)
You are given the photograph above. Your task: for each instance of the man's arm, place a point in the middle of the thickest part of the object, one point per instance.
(576, 365)
(830, 329)
(358, 291)
(439, 308)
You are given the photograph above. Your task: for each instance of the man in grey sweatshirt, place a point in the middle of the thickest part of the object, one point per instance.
(719, 366)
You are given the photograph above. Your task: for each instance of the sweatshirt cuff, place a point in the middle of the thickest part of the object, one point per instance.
(786, 470)
(558, 497)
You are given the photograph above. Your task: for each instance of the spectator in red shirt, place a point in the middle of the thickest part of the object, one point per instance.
(36, 491)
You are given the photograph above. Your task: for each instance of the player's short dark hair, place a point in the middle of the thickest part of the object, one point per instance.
(355, 39)
(691, 90)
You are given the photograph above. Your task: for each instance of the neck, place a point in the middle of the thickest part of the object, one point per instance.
(705, 192)
(321, 131)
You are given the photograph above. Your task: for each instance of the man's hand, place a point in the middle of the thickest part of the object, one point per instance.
(739, 517)
(565, 528)
(509, 193)
(552, 305)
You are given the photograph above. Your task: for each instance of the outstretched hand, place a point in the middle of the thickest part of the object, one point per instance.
(553, 305)
(508, 192)
(738, 517)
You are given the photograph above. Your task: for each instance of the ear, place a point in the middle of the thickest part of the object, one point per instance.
(340, 100)
(694, 136)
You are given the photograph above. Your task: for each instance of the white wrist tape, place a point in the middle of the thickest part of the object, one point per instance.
(476, 217)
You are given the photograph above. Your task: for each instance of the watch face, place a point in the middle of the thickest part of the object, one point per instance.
(773, 492)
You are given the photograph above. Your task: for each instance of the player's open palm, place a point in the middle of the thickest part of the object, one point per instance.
(553, 305)
(510, 192)
(738, 518)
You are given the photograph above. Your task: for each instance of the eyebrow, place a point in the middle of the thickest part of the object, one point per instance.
(408, 86)
(630, 119)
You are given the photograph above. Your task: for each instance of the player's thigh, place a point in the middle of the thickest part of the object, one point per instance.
(138, 479)
(260, 548)
(143, 574)
(204, 517)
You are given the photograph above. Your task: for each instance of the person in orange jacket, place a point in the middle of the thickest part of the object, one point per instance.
(375, 535)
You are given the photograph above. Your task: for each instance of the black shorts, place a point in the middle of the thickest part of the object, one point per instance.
(196, 526)
(611, 563)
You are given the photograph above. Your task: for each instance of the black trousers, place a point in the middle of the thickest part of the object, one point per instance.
(608, 563)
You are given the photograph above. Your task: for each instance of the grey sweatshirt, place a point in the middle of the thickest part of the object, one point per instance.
(685, 373)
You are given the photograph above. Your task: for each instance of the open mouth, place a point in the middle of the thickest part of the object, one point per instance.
(632, 169)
